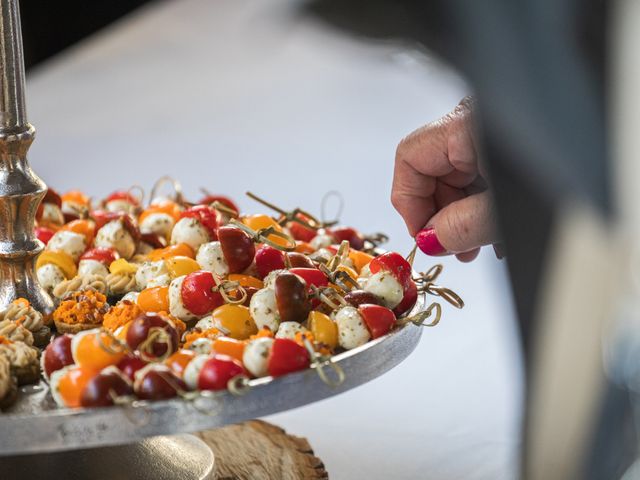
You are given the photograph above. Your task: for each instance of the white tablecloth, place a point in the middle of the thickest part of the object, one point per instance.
(240, 95)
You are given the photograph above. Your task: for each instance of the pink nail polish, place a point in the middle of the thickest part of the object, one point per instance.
(428, 242)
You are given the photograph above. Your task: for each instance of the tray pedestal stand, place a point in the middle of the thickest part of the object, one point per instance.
(177, 457)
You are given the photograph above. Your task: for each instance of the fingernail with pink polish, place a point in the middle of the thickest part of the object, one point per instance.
(428, 242)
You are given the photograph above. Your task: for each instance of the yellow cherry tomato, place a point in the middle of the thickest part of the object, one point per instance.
(60, 259)
(235, 319)
(122, 266)
(359, 259)
(246, 280)
(181, 265)
(323, 328)
(154, 299)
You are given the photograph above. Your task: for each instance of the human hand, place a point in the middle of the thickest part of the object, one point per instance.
(440, 187)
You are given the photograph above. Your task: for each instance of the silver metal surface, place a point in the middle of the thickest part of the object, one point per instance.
(35, 424)
(181, 457)
(20, 188)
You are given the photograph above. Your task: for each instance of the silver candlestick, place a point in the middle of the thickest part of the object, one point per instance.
(20, 188)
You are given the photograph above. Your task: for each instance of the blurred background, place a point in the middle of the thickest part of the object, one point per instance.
(292, 99)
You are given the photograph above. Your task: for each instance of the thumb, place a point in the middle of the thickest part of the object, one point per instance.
(461, 226)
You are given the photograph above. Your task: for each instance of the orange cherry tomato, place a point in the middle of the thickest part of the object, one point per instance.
(180, 249)
(76, 196)
(229, 346)
(154, 299)
(95, 350)
(168, 207)
(359, 259)
(258, 222)
(304, 247)
(72, 384)
(179, 361)
(83, 227)
(246, 280)
(235, 319)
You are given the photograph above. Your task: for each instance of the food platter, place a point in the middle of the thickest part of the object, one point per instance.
(35, 424)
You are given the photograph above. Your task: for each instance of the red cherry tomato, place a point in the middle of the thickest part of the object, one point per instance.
(237, 247)
(300, 260)
(209, 199)
(122, 195)
(130, 364)
(44, 234)
(206, 215)
(268, 259)
(140, 329)
(101, 389)
(395, 264)
(217, 371)
(57, 355)
(355, 238)
(101, 254)
(299, 231)
(408, 300)
(198, 295)
(157, 382)
(287, 356)
(52, 197)
(291, 297)
(154, 240)
(379, 320)
(312, 276)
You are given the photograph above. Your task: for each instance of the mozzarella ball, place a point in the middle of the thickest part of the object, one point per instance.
(120, 205)
(189, 231)
(71, 243)
(192, 371)
(92, 267)
(270, 279)
(114, 235)
(264, 309)
(49, 276)
(176, 306)
(256, 356)
(322, 240)
(211, 259)
(148, 271)
(289, 330)
(131, 297)
(352, 332)
(384, 285)
(51, 213)
(205, 323)
(160, 281)
(322, 256)
(159, 223)
(202, 345)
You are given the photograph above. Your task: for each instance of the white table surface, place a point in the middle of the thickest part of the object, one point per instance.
(240, 95)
